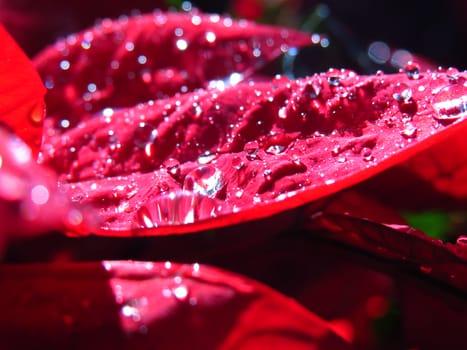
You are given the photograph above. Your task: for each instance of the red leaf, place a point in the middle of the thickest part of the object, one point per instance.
(445, 262)
(140, 304)
(21, 92)
(249, 151)
(123, 62)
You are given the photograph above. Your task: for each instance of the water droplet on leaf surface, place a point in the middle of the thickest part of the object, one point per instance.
(176, 208)
(206, 180)
(412, 70)
(251, 149)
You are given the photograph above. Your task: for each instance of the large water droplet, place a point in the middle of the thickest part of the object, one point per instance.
(176, 208)
(206, 180)
(450, 103)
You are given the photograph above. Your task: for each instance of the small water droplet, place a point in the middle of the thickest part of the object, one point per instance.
(206, 180)
(275, 149)
(36, 115)
(173, 167)
(366, 154)
(403, 96)
(251, 149)
(206, 158)
(237, 162)
(336, 151)
(334, 81)
(410, 131)
(412, 70)
(282, 112)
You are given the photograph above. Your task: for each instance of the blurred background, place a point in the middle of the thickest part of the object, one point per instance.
(363, 34)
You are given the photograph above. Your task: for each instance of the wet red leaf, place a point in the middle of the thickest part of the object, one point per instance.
(21, 92)
(220, 156)
(124, 305)
(227, 152)
(123, 62)
(30, 202)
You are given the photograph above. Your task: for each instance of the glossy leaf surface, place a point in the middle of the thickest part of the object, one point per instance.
(225, 153)
(135, 59)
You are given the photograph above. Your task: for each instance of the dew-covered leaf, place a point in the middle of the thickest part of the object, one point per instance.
(119, 63)
(121, 305)
(21, 92)
(248, 151)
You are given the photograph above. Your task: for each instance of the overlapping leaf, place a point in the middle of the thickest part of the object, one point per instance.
(381, 233)
(124, 305)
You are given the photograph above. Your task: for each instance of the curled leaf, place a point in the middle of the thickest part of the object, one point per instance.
(444, 262)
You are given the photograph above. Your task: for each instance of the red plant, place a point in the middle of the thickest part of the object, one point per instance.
(160, 125)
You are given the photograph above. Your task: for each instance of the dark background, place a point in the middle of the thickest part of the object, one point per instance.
(433, 29)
